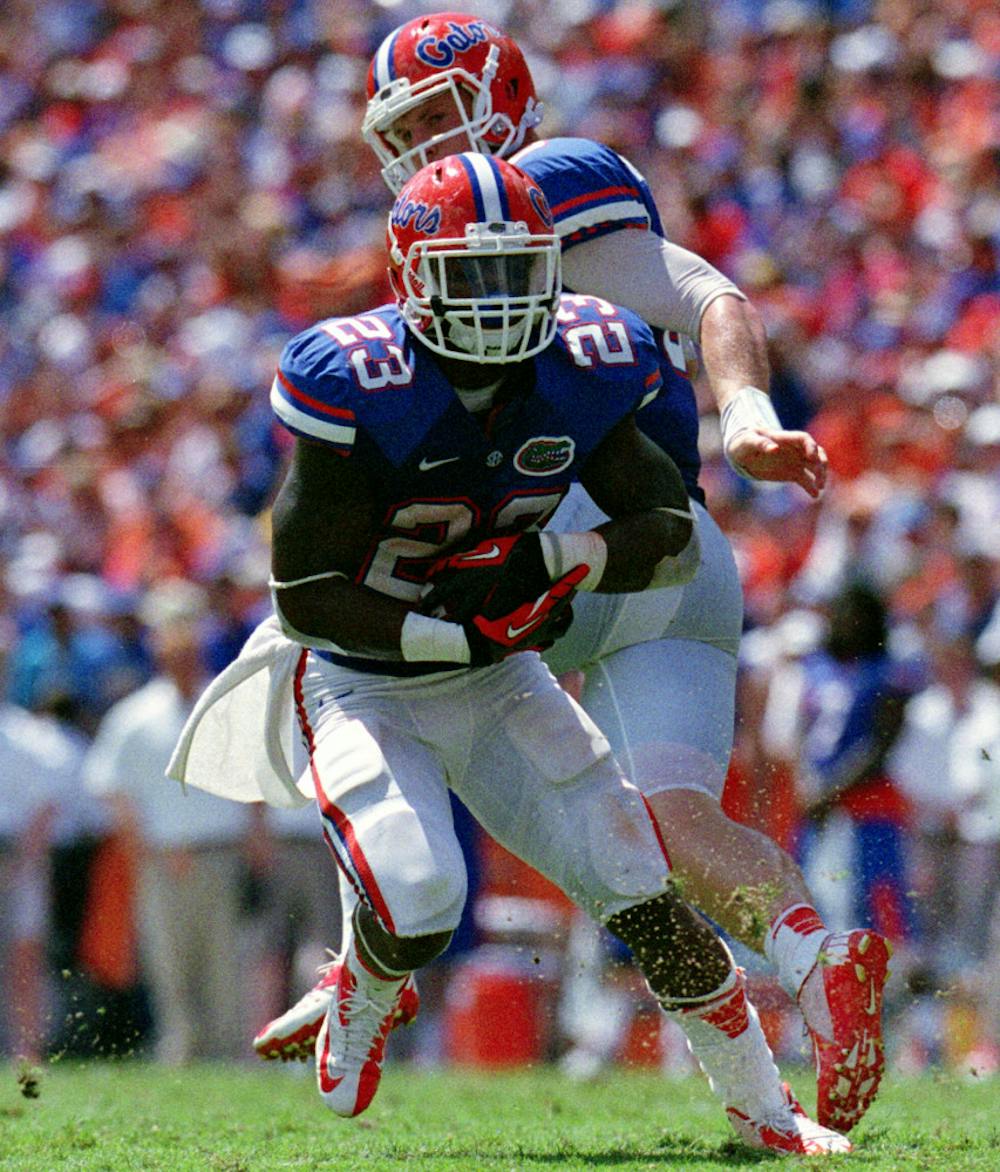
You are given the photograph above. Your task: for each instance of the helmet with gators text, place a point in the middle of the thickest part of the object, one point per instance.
(466, 84)
(474, 261)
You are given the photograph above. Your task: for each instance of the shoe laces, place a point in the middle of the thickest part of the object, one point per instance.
(327, 966)
(326, 983)
(364, 1021)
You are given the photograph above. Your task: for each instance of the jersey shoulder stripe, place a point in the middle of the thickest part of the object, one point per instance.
(312, 393)
(591, 189)
(365, 374)
(314, 404)
(306, 416)
(604, 194)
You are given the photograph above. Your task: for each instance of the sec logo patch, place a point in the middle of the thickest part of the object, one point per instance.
(545, 455)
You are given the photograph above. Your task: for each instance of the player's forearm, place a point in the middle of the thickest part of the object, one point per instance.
(651, 539)
(636, 552)
(325, 610)
(733, 348)
(313, 544)
(653, 549)
(359, 621)
(334, 611)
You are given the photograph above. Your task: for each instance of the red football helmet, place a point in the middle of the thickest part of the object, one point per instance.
(474, 260)
(490, 101)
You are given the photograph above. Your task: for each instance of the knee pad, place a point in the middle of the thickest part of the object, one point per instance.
(395, 954)
(612, 854)
(428, 902)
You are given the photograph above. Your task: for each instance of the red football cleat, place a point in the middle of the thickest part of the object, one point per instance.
(350, 1047)
(841, 1000)
(292, 1036)
(790, 1132)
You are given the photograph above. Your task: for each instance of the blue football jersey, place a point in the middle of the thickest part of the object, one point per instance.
(371, 392)
(593, 191)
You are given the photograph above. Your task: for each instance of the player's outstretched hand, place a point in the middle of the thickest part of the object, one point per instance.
(789, 456)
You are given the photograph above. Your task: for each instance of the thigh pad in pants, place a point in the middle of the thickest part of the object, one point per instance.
(667, 709)
(542, 781)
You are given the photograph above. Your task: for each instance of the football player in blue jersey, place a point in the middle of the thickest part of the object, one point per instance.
(660, 666)
(434, 437)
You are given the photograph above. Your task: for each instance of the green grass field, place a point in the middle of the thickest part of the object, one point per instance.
(115, 1116)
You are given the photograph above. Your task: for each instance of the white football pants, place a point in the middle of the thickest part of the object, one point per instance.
(660, 665)
(525, 759)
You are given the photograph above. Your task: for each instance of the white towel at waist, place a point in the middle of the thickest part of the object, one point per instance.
(241, 740)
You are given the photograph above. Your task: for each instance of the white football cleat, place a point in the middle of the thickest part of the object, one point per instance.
(350, 1047)
(789, 1132)
(292, 1036)
(841, 1001)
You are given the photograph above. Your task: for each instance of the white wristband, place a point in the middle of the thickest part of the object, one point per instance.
(747, 410)
(427, 640)
(563, 551)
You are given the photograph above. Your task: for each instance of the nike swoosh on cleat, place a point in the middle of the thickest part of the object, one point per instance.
(327, 1083)
(426, 465)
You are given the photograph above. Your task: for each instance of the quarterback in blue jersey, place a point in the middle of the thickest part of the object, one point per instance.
(434, 436)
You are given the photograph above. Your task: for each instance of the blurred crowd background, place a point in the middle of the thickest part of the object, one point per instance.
(182, 187)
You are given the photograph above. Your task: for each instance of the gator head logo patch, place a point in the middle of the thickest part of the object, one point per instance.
(545, 455)
(539, 203)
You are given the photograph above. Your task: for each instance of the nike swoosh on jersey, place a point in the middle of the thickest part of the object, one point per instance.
(426, 465)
